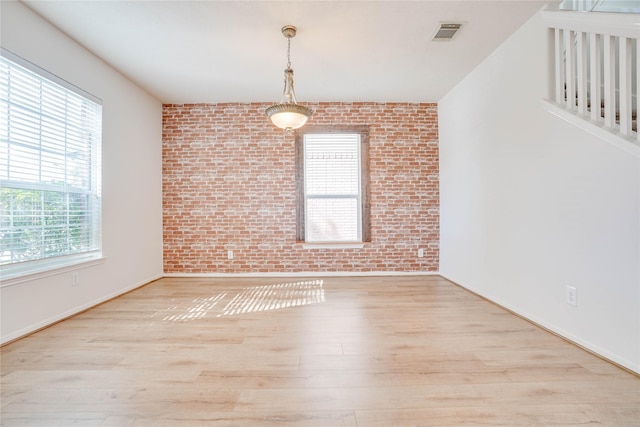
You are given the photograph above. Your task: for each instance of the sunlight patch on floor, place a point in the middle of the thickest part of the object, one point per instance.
(275, 297)
(248, 300)
(199, 308)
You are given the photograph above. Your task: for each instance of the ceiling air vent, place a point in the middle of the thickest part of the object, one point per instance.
(446, 32)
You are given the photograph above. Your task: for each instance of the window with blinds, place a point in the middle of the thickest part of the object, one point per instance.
(332, 176)
(50, 198)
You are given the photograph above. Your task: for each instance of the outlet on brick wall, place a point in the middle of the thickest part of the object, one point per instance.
(229, 181)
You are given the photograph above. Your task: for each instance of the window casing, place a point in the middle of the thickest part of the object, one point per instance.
(332, 180)
(50, 195)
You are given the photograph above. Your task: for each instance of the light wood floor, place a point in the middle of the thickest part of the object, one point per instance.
(392, 351)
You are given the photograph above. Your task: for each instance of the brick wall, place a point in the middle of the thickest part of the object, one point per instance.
(229, 184)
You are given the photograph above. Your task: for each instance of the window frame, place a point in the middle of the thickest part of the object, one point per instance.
(365, 205)
(16, 272)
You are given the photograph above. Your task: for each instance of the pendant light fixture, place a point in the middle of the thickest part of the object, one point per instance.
(288, 114)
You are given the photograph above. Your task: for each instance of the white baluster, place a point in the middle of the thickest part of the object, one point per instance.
(582, 72)
(609, 82)
(559, 63)
(596, 77)
(625, 85)
(638, 89)
(570, 38)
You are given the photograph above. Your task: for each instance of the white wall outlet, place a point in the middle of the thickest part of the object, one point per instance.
(74, 279)
(420, 253)
(572, 296)
(230, 254)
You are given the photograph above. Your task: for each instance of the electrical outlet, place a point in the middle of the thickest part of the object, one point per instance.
(572, 296)
(74, 279)
(420, 253)
(230, 254)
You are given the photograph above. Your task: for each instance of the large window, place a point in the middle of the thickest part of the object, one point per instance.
(50, 199)
(333, 183)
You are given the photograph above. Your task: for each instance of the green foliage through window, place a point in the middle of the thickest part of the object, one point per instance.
(39, 224)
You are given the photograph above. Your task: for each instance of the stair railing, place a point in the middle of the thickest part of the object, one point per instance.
(596, 68)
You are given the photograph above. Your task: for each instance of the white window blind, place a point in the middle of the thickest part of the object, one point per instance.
(50, 198)
(332, 187)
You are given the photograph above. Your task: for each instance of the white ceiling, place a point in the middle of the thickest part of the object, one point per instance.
(233, 51)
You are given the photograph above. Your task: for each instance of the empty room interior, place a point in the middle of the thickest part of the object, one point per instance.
(439, 224)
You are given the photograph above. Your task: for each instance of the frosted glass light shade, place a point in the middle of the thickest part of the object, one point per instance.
(289, 116)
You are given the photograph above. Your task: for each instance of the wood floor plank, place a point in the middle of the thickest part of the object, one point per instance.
(545, 415)
(338, 351)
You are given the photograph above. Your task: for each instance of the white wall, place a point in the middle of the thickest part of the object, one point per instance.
(132, 180)
(531, 204)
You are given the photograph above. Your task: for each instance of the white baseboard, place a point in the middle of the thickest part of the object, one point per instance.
(72, 312)
(307, 274)
(588, 346)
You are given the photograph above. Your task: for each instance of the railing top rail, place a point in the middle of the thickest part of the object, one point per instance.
(614, 24)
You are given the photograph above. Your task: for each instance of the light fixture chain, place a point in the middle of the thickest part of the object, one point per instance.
(288, 52)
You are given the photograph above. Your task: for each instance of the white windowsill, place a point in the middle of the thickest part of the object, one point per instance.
(333, 245)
